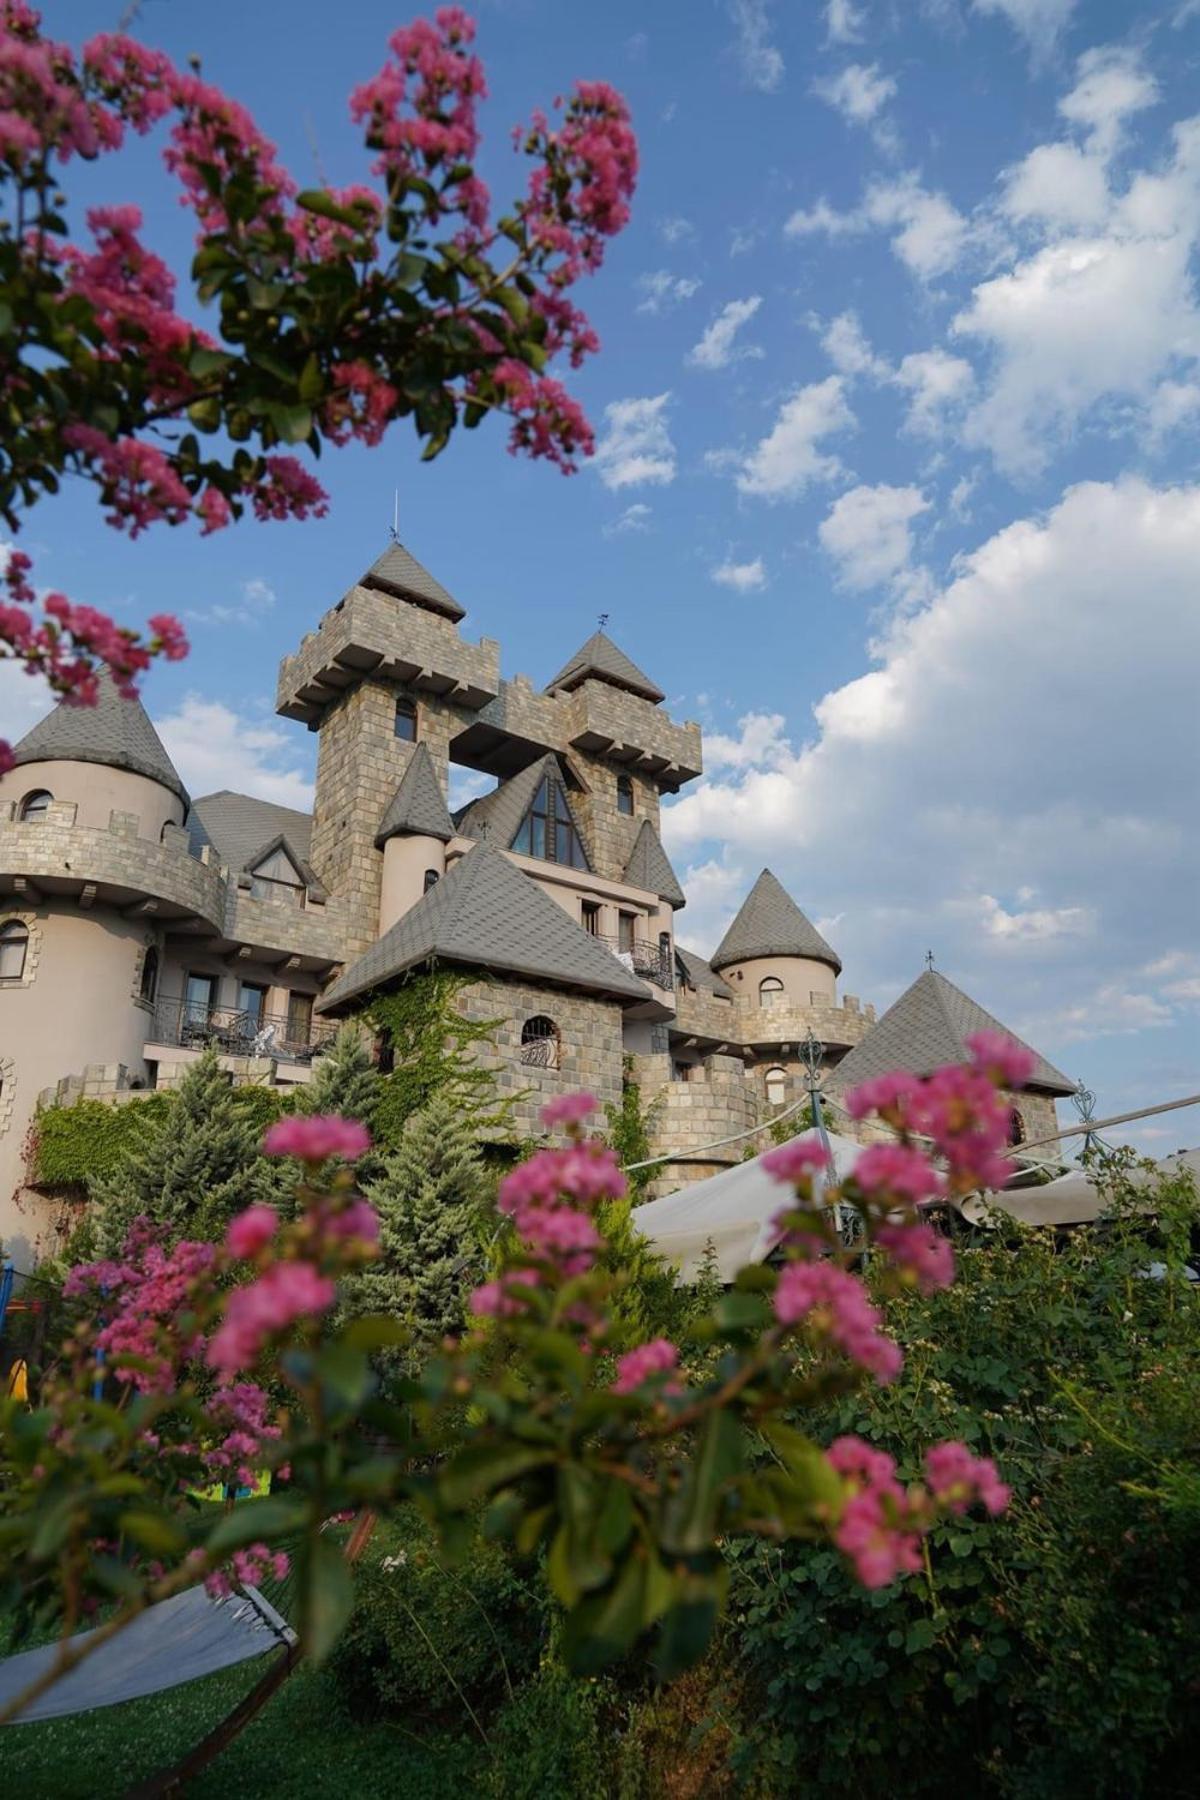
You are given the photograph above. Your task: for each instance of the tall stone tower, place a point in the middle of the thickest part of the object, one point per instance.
(385, 670)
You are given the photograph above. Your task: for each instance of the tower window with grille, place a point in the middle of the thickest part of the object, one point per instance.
(406, 720)
(548, 830)
(625, 795)
(541, 1045)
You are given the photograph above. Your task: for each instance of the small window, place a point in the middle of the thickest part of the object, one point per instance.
(776, 1084)
(548, 830)
(431, 879)
(625, 795)
(591, 918)
(299, 1018)
(540, 1042)
(149, 987)
(681, 1071)
(1016, 1128)
(252, 1001)
(35, 806)
(770, 991)
(14, 943)
(664, 947)
(406, 720)
(277, 878)
(200, 991)
(625, 929)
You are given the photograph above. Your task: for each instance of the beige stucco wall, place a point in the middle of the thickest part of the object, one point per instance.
(96, 792)
(79, 1007)
(801, 979)
(405, 861)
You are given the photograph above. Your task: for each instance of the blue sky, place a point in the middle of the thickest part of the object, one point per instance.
(898, 406)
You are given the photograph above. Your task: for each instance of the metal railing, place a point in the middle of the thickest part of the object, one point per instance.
(240, 1032)
(644, 957)
(540, 1052)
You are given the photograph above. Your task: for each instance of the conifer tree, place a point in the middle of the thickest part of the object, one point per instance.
(201, 1166)
(430, 1200)
(345, 1081)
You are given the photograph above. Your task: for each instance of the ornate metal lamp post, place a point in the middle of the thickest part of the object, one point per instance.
(1084, 1102)
(812, 1055)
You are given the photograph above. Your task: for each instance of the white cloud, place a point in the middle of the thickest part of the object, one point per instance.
(859, 92)
(1021, 737)
(744, 577)
(663, 292)
(868, 533)
(845, 344)
(761, 62)
(635, 518)
(1172, 405)
(716, 348)
(675, 229)
(212, 747)
(1040, 22)
(1066, 184)
(929, 233)
(761, 740)
(844, 22)
(789, 459)
(1111, 85)
(636, 445)
(258, 597)
(24, 698)
(938, 383)
(823, 218)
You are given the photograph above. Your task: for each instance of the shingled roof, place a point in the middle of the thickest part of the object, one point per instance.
(498, 816)
(702, 975)
(649, 867)
(242, 829)
(600, 660)
(485, 913)
(927, 1027)
(769, 923)
(116, 733)
(417, 806)
(397, 572)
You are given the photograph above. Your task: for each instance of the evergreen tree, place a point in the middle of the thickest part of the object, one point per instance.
(430, 1200)
(345, 1081)
(200, 1166)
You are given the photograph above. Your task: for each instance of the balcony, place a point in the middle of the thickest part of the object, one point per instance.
(235, 1031)
(643, 957)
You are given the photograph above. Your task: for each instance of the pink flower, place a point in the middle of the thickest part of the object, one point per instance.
(834, 1303)
(879, 1528)
(897, 1169)
(920, 1253)
(358, 1221)
(568, 1109)
(885, 1094)
(1008, 1063)
(314, 1138)
(798, 1160)
(287, 1291)
(637, 1366)
(497, 1299)
(251, 1231)
(957, 1479)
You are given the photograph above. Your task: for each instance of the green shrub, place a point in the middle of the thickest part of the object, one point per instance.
(73, 1144)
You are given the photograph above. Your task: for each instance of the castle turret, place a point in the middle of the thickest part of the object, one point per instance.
(413, 836)
(773, 954)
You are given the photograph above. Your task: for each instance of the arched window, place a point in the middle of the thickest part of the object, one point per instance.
(776, 1085)
(14, 944)
(770, 991)
(625, 795)
(540, 1042)
(406, 720)
(149, 986)
(35, 806)
(1016, 1127)
(431, 879)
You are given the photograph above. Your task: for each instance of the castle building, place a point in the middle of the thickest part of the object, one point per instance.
(138, 925)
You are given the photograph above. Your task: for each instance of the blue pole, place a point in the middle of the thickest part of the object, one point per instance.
(6, 1288)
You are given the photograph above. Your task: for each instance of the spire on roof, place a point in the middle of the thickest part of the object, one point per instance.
(927, 1027)
(770, 923)
(417, 807)
(116, 733)
(649, 867)
(399, 573)
(601, 660)
(486, 914)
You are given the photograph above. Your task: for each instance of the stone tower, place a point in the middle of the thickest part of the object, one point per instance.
(385, 670)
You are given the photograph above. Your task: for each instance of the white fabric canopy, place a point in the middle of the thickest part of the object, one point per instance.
(732, 1211)
(1072, 1199)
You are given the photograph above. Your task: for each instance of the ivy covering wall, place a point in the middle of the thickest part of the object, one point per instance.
(76, 1144)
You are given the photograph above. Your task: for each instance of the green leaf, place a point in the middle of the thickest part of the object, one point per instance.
(741, 1312)
(152, 1531)
(326, 1597)
(817, 1484)
(689, 1622)
(480, 1468)
(692, 1513)
(271, 1517)
(375, 1331)
(345, 1373)
(605, 1625)
(293, 423)
(311, 385)
(315, 200)
(205, 362)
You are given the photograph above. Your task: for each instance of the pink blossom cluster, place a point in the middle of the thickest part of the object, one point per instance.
(284, 1293)
(287, 491)
(361, 405)
(957, 1479)
(240, 1416)
(215, 133)
(41, 103)
(579, 193)
(433, 74)
(251, 1232)
(920, 1253)
(547, 421)
(878, 1530)
(315, 1137)
(250, 1567)
(660, 1357)
(798, 1160)
(569, 1110)
(137, 480)
(146, 1303)
(321, 239)
(834, 1305)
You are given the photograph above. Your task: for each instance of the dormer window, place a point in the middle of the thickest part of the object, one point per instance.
(625, 796)
(406, 720)
(548, 830)
(35, 806)
(276, 877)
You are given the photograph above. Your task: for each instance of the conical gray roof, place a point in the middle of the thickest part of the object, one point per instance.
(397, 572)
(115, 732)
(649, 867)
(927, 1027)
(486, 914)
(498, 816)
(601, 660)
(771, 924)
(417, 806)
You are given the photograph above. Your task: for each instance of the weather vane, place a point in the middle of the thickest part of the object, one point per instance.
(603, 621)
(929, 959)
(396, 515)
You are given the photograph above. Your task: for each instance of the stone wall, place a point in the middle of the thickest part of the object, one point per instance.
(608, 832)
(116, 858)
(589, 1045)
(715, 1102)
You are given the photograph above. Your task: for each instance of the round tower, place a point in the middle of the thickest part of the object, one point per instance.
(773, 956)
(413, 835)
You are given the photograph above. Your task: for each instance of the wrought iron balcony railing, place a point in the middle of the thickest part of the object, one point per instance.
(240, 1032)
(644, 958)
